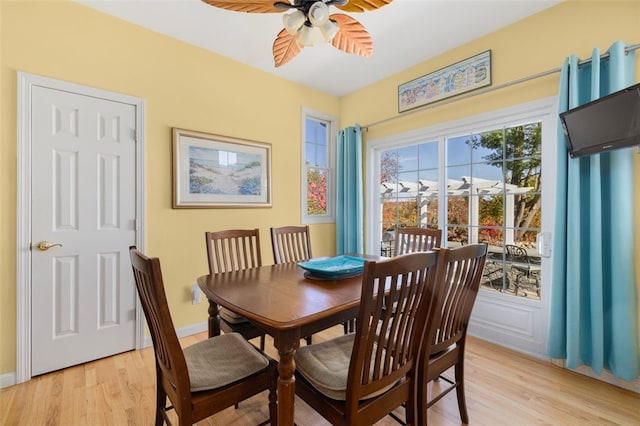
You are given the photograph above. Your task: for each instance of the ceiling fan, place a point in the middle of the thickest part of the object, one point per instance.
(344, 32)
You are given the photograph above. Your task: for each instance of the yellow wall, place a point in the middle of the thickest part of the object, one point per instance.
(531, 46)
(183, 86)
(186, 87)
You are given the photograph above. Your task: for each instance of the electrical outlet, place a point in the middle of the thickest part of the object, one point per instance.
(195, 294)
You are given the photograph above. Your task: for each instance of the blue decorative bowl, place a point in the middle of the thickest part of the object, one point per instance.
(333, 268)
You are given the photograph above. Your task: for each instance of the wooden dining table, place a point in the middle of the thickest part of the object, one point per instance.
(287, 305)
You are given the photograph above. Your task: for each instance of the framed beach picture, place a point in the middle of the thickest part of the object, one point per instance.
(461, 77)
(213, 171)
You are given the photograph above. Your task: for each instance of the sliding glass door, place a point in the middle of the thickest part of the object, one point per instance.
(479, 180)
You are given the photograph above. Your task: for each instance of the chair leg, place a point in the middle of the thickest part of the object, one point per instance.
(161, 399)
(160, 414)
(410, 412)
(517, 285)
(421, 401)
(462, 405)
(308, 339)
(273, 398)
(273, 408)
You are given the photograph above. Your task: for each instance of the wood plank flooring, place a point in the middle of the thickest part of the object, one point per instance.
(503, 388)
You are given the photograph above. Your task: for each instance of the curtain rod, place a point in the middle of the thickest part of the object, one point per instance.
(490, 89)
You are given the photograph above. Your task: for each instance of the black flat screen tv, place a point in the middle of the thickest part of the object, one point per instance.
(608, 123)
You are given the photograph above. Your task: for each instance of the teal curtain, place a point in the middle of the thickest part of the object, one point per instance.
(594, 303)
(349, 191)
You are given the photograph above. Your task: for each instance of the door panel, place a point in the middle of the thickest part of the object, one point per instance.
(83, 198)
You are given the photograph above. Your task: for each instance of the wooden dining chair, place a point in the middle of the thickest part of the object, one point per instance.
(228, 251)
(357, 379)
(415, 239)
(207, 377)
(412, 239)
(460, 275)
(291, 244)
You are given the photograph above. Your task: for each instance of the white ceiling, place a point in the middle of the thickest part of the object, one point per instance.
(404, 33)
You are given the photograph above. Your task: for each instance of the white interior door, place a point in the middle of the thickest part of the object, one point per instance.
(83, 199)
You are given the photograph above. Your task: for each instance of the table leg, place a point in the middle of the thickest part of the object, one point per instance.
(286, 380)
(214, 319)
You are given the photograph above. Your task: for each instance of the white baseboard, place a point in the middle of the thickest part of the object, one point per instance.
(606, 376)
(9, 379)
(183, 332)
(192, 329)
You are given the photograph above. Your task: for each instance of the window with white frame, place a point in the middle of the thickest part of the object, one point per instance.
(478, 182)
(319, 134)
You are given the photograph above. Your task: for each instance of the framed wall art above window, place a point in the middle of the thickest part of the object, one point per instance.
(464, 76)
(213, 171)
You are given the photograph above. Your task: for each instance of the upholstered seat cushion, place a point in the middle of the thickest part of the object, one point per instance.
(326, 366)
(231, 317)
(222, 360)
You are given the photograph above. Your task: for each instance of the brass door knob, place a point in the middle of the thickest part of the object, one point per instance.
(46, 245)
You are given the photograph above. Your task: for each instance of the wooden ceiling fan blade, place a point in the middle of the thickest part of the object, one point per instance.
(249, 6)
(352, 36)
(285, 48)
(363, 5)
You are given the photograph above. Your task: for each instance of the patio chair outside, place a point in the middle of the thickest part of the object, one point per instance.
(527, 274)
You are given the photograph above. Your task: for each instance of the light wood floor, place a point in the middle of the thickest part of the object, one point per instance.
(503, 388)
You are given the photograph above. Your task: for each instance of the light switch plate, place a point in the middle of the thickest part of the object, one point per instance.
(543, 244)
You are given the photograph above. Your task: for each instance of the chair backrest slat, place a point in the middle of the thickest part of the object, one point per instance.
(461, 277)
(168, 352)
(410, 240)
(291, 244)
(387, 341)
(233, 250)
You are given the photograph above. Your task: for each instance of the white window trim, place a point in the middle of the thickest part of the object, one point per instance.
(332, 132)
(537, 110)
(529, 333)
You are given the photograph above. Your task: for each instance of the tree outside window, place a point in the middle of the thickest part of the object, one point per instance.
(493, 195)
(318, 171)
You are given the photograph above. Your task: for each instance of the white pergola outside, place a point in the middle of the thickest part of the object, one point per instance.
(424, 190)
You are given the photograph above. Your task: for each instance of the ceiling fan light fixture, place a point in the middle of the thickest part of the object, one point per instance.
(304, 17)
(305, 36)
(329, 30)
(293, 21)
(318, 14)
